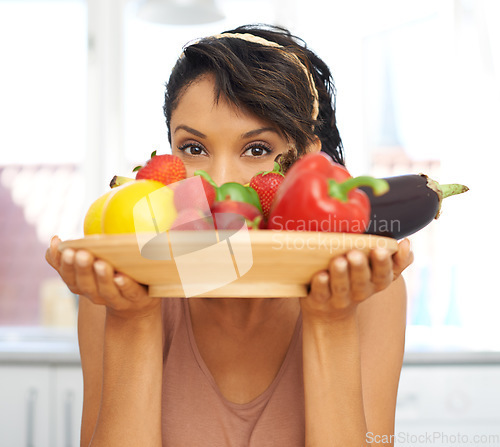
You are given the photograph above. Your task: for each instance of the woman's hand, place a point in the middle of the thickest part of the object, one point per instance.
(351, 279)
(97, 280)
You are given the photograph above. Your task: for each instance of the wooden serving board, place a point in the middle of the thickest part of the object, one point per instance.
(257, 263)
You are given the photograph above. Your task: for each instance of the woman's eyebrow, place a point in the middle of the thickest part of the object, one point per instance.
(256, 132)
(190, 130)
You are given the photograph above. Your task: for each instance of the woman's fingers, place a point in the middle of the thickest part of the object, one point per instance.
(360, 275)
(75, 269)
(352, 278)
(84, 274)
(320, 288)
(53, 255)
(63, 262)
(114, 287)
(129, 288)
(97, 280)
(106, 288)
(382, 269)
(402, 258)
(67, 269)
(340, 282)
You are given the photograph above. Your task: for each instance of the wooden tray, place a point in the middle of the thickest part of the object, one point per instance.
(262, 263)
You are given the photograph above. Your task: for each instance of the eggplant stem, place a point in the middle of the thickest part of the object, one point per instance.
(444, 191)
(452, 189)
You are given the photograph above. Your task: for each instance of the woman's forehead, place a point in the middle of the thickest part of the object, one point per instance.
(199, 100)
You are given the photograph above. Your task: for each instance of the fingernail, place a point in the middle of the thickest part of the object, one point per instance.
(355, 257)
(119, 280)
(54, 240)
(323, 277)
(68, 256)
(82, 258)
(381, 254)
(341, 264)
(100, 268)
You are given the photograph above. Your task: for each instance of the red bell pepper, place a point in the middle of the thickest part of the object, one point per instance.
(320, 195)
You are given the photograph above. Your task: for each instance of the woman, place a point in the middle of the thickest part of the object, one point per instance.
(322, 370)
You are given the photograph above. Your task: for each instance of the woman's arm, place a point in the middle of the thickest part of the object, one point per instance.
(91, 320)
(121, 351)
(344, 343)
(130, 411)
(332, 384)
(382, 325)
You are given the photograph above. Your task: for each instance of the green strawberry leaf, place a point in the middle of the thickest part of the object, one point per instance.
(276, 170)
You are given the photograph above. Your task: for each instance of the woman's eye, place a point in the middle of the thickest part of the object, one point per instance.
(257, 151)
(192, 149)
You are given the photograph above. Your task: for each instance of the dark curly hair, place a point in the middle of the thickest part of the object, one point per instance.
(266, 81)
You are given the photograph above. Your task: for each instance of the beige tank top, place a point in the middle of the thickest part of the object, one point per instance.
(196, 414)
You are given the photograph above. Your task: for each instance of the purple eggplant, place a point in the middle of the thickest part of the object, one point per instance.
(411, 203)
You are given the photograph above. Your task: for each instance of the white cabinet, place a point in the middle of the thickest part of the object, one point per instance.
(40, 405)
(443, 405)
(439, 405)
(68, 400)
(24, 404)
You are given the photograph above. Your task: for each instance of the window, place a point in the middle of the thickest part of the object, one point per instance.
(42, 146)
(431, 97)
(418, 91)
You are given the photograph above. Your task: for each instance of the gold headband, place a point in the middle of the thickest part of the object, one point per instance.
(260, 40)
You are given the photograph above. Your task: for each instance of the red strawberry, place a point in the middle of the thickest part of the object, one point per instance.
(266, 184)
(166, 169)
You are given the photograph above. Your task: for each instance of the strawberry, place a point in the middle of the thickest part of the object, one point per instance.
(266, 184)
(166, 169)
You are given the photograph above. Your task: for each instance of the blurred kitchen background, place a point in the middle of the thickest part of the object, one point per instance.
(81, 95)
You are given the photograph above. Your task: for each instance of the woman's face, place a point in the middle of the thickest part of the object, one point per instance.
(230, 144)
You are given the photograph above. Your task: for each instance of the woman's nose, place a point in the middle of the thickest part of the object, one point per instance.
(225, 173)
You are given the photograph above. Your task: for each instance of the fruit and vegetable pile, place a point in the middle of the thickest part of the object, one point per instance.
(315, 194)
